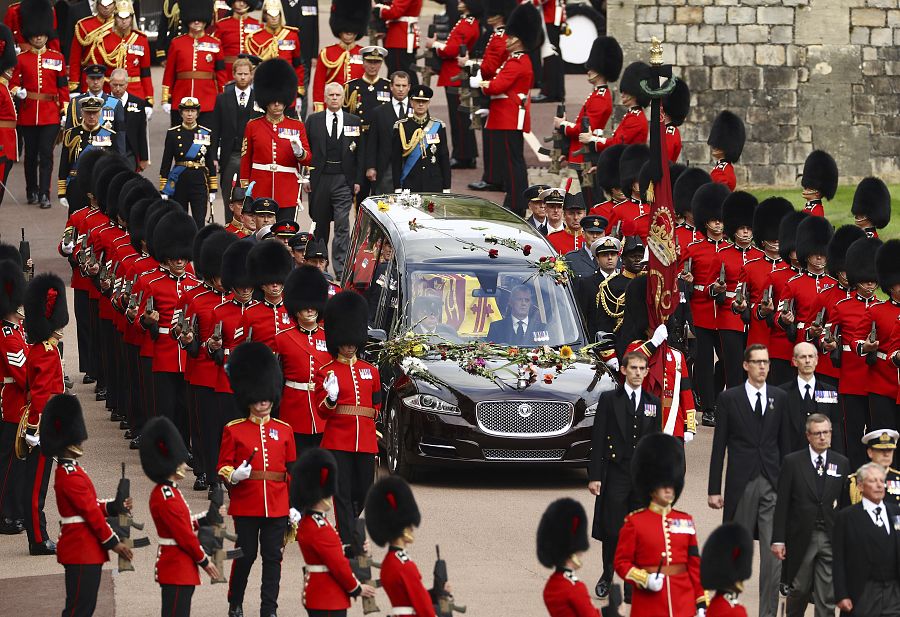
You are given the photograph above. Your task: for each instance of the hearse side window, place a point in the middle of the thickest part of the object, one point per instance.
(384, 295)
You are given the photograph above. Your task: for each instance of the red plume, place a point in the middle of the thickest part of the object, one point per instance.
(735, 553)
(576, 520)
(57, 425)
(568, 184)
(323, 476)
(51, 302)
(392, 501)
(161, 446)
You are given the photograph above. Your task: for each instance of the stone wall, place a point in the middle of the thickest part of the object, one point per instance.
(803, 74)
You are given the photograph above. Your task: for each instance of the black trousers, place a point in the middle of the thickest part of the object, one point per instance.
(176, 600)
(357, 473)
(123, 390)
(39, 141)
(856, 418)
(83, 323)
(303, 442)
(192, 192)
(96, 346)
(229, 165)
(883, 410)
(509, 147)
(110, 356)
(616, 500)
(491, 173)
(12, 474)
(133, 385)
(37, 477)
(399, 60)
(553, 76)
(332, 200)
(148, 391)
(463, 137)
(170, 394)
(286, 214)
(732, 344)
(205, 420)
(704, 376)
(781, 371)
(6, 166)
(263, 535)
(82, 585)
(314, 613)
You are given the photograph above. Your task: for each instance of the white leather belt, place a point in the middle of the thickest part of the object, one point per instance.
(846, 347)
(296, 385)
(730, 294)
(495, 97)
(274, 167)
(402, 610)
(881, 355)
(164, 330)
(801, 324)
(8, 380)
(167, 542)
(69, 520)
(699, 287)
(316, 568)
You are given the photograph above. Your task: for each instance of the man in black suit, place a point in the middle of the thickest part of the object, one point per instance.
(751, 426)
(334, 139)
(537, 216)
(137, 146)
(806, 396)
(867, 551)
(380, 136)
(520, 326)
(623, 416)
(811, 486)
(234, 108)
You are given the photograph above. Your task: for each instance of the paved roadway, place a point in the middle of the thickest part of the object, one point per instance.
(484, 519)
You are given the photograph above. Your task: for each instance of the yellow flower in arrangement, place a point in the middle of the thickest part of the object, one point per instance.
(382, 206)
(566, 353)
(418, 350)
(560, 266)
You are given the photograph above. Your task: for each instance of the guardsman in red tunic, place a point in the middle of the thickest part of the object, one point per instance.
(571, 238)
(607, 178)
(727, 562)
(46, 315)
(348, 396)
(302, 351)
(630, 209)
(85, 537)
(278, 40)
(119, 46)
(275, 146)
(392, 516)
(18, 13)
(402, 37)
(236, 204)
(705, 267)
(510, 108)
(234, 29)
(13, 349)
(674, 111)
(256, 453)
(341, 62)
(562, 540)
(687, 184)
(658, 553)
(633, 128)
(885, 315)
(88, 31)
(268, 264)
(819, 181)
(871, 207)
(726, 142)
(328, 581)
(164, 460)
(195, 64)
(9, 140)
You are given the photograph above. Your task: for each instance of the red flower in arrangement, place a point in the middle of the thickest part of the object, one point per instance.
(548, 378)
(534, 358)
(542, 259)
(493, 253)
(526, 250)
(430, 206)
(552, 259)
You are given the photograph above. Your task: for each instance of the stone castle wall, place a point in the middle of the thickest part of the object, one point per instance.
(803, 74)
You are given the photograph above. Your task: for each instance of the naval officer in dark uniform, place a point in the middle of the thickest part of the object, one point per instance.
(421, 160)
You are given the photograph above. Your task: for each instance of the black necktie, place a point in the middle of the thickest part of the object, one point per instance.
(402, 112)
(633, 402)
(878, 520)
(758, 408)
(520, 329)
(820, 473)
(243, 99)
(808, 406)
(334, 126)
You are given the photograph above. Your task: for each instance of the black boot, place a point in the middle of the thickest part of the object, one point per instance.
(135, 443)
(709, 418)
(235, 610)
(200, 483)
(10, 527)
(47, 547)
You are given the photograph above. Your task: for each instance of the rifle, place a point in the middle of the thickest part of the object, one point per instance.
(819, 321)
(150, 305)
(790, 330)
(443, 601)
(361, 563)
(438, 30)
(217, 332)
(179, 325)
(134, 301)
(249, 334)
(123, 523)
(82, 255)
(558, 138)
(617, 230)
(688, 263)
(466, 97)
(213, 535)
(766, 296)
(25, 252)
(720, 299)
(68, 236)
(377, 28)
(740, 297)
(829, 337)
(872, 356)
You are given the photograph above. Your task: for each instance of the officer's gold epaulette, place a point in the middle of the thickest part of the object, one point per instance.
(636, 511)
(327, 364)
(281, 422)
(238, 421)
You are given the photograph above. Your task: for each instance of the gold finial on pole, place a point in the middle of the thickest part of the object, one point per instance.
(656, 52)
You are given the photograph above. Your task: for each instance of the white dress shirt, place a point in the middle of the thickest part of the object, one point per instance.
(812, 387)
(813, 455)
(869, 507)
(516, 322)
(751, 395)
(329, 118)
(637, 394)
(551, 229)
(396, 105)
(237, 95)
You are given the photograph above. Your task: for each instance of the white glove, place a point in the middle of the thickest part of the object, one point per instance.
(297, 147)
(655, 582)
(688, 437)
(212, 198)
(701, 612)
(241, 473)
(32, 440)
(64, 202)
(21, 93)
(67, 248)
(659, 335)
(294, 516)
(331, 387)
(62, 121)
(149, 111)
(167, 107)
(475, 81)
(299, 103)
(613, 363)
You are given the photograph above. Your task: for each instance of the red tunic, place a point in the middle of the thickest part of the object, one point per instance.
(564, 241)
(179, 551)
(510, 108)
(44, 376)
(723, 173)
(13, 351)
(814, 207)
(566, 596)
(320, 545)
(675, 389)
(166, 289)
(84, 541)
(633, 129)
(628, 212)
(705, 268)
(86, 33)
(827, 299)
(598, 108)
(734, 259)
(9, 139)
(648, 534)
(803, 290)
(779, 346)
(229, 314)
(267, 320)
(43, 75)
(233, 32)
(80, 222)
(673, 143)
(268, 159)
(464, 32)
(495, 54)
(726, 605)
(301, 353)
(401, 18)
(129, 51)
(883, 377)
(194, 67)
(554, 11)
(336, 64)
(403, 584)
(284, 44)
(13, 20)
(237, 229)
(684, 235)
(274, 441)
(756, 274)
(360, 386)
(603, 209)
(850, 316)
(202, 370)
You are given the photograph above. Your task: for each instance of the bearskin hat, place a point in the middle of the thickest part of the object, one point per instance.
(687, 184)
(62, 425)
(738, 211)
(390, 508)
(561, 533)
(631, 82)
(605, 58)
(162, 449)
(313, 478)
(499, 7)
(269, 262)
(306, 287)
(525, 23)
(8, 251)
(86, 164)
(787, 233)
(45, 307)
(658, 461)
(134, 190)
(12, 287)
(274, 81)
(644, 179)
(727, 558)
(346, 321)
(157, 210)
(8, 57)
(197, 10)
(843, 237)
(767, 217)
(675, 171)
(349, 16)
(813, 236)
(872, 200)
(887, 264)
(728, 135)
(608, 167)
(211, 253)
(254, 4)
(202, 235)
(173, 236)
(254, 374)
(474, 7)
(103, 177)
(820, 173)
(36, 17)
(707, 204)
(630, 163)
(678, 103)
(114, 194)
(234, 265)
(137, 221)
(860, 260)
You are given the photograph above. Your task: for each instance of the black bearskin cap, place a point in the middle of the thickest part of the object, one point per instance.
(12, 287)
(173, 236)
(525, 23)
(687, 184)
(872, 200)
(887, 264)
(390, 508)
(605, 58)
(137, 221)
(561, 533)
(211, 253)
(728, 135)
(787, 233)
(62, 425)
(820, 172)
(103, 177)
(658, 461)
(157, 210)
(234, 265)
(8, 57)
(306, 287)
(115, 193)
(727, 558)
(313, 478)
(346, 321)
(36, 18)
(162, 449)
(738, 211)
(630, 163)
(270, 261)
(499, 7)
(860, 260)
(349, 16)
(813, 236)
(8, 251)
(45, 307)
(631, 82)
(134, 190)
(843, 237)
(767, 218)
(608, 167)
(255, 375)
(197, 10)
(274, 81)
(707, 204)
(197, 246)
(678, 103)
(86, 164)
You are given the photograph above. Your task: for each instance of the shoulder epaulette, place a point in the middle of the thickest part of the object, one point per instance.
(796, 276)
(319, 519)
(281, 422)
(167, 492)
(175, 128)
(670, 130)
(238, 421)
(636, 511)
(69, 467)
(205, 128)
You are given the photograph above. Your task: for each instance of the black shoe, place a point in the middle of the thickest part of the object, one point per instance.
(200, 484)
(190, 460)
(602, 589)
(129, 435)
(44, 202)
(47, 547)
(9, 527)
(101, 394)
(67, 381)
(31, 198)
(213, 485)
(235, 610)
(462, 163)
(481, 185)
(87, 379)
(123, 425)
(709, 418)
(135, 443)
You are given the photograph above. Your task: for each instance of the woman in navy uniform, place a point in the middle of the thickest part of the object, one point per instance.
(561, 541)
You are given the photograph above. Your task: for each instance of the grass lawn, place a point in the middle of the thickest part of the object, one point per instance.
(838, 209)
